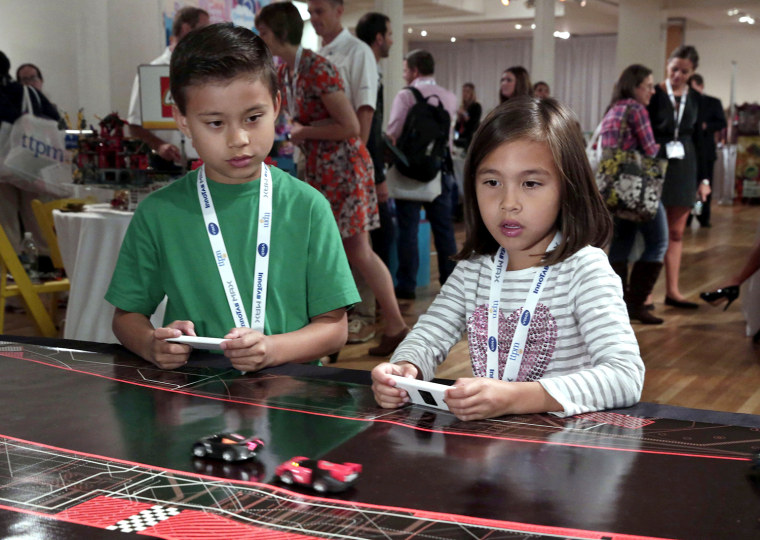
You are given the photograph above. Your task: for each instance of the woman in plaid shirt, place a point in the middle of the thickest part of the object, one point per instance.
(630, 98)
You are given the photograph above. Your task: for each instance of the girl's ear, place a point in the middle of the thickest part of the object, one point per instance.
(181, 121)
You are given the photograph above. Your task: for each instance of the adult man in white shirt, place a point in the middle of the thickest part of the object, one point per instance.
(166, 142)
(353, 58)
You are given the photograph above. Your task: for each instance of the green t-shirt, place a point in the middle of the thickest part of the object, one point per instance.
(166, 251)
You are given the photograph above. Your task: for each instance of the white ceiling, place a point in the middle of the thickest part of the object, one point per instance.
(489, 19)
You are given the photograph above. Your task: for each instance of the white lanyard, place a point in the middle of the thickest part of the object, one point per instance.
(261, 268)
(517, 346)
(290, 86)
(677, 110)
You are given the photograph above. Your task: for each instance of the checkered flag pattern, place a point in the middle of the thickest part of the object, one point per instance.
(144, 519)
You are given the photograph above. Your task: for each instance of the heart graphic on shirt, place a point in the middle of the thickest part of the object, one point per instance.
(538, 351)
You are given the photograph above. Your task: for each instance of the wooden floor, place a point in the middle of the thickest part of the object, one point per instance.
(700, 359)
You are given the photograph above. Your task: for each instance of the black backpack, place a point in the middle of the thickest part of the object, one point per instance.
(424, 139)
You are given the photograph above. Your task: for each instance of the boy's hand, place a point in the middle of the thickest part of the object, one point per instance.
(168, 355)
(249, 350)
(384, 387)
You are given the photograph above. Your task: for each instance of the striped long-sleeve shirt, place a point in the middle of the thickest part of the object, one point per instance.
(580, 348)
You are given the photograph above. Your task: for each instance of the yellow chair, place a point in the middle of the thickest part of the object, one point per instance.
(43, 212)
(23, 286)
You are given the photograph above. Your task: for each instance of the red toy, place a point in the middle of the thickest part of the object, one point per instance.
(320, 475)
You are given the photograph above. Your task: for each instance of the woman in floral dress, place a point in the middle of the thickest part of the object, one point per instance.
(338, 164)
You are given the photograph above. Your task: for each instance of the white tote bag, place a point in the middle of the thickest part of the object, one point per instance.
(37, 159)
(407, 189)
(595, 154)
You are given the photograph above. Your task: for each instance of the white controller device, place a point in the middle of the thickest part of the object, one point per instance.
(197, 342)
(425, 393)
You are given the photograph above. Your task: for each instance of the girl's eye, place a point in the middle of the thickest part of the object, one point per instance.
(491, 182)
(530, 184)
(253, 118)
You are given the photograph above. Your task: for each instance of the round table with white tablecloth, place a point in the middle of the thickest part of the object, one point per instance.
(89, 242)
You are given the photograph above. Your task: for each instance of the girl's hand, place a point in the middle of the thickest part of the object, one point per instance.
(168, 355)
(249, 350)
(384, 387)
(479, 397)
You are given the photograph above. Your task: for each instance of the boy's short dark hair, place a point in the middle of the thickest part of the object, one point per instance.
(219, 52)
(583, 217)
(370, 25)
(284, 20)
(420, 60)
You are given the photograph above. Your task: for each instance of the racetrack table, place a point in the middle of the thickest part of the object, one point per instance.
(96, 443)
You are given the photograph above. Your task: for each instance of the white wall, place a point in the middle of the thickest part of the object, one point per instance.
(717, 51)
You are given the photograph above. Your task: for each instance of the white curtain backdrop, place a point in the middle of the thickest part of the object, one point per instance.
(584, 70)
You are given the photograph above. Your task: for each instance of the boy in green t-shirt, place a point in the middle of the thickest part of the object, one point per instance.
(280, 282)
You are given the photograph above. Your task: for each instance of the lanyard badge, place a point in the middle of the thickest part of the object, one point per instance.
(674, 149)
(219, 250)
(520, 338)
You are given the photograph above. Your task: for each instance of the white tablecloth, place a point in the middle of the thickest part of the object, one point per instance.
(89, 242)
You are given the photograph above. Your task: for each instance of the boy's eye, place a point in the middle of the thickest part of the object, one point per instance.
(214, 123)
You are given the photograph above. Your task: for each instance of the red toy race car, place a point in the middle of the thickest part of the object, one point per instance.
(320, 475)
(227, 446)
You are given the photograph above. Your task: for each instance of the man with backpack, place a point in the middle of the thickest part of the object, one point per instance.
(420, 125)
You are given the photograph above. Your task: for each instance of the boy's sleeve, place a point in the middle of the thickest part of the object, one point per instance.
(136, 285)
(330, 284)
(616, 377)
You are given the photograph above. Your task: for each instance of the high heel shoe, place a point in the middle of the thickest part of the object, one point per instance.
(730, 293)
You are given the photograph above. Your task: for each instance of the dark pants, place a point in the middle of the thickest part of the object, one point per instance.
(382, 238)
(438, 213)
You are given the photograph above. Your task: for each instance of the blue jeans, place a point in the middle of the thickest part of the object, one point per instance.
(655, 233)
(438, 213)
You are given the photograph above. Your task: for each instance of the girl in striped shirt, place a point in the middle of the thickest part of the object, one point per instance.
(547, 327)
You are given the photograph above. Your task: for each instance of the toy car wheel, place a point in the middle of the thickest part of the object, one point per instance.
(320, 486)
(199, 450)
(286, 477)
(228, 455)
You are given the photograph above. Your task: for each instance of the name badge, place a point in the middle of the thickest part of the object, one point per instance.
(675, 150)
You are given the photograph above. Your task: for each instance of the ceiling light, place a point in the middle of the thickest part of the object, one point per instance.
(453, 39)
(732, 12)
(504, 2)
(561, 35)
(423, 33)
(532, 26)
(518, 26)
(747, 19)
(409, 30)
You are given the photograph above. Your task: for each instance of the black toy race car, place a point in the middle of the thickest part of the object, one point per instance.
(227, 446)
(320, 475)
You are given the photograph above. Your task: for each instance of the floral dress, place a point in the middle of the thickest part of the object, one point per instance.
(341, 170)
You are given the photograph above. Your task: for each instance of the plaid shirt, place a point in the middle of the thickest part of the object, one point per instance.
(638, 133)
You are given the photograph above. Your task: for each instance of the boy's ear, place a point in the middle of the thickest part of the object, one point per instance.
(277, 103)
(181, 121)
